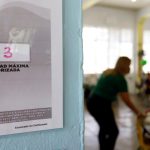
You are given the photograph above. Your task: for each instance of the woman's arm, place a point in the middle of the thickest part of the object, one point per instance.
(126, 98)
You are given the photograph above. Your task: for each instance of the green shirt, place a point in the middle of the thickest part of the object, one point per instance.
(108, 86)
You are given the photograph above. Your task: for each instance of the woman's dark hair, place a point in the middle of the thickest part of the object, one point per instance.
(121, 64)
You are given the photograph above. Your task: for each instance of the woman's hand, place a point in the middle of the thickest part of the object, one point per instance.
(141, 115)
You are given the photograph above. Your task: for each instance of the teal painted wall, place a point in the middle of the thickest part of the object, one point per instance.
(71, 136)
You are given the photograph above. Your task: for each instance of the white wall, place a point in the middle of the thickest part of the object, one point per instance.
(102, 16)
(143, 12)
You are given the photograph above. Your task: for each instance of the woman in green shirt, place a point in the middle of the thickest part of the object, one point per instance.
(110, 84)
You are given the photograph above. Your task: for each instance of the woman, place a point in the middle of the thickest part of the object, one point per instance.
(110, 84)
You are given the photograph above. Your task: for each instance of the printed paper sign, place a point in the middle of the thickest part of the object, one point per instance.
(30, 65)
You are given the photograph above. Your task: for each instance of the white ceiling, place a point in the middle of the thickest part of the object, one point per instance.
(116, 3)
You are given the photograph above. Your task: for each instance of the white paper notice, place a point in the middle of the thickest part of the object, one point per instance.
(30, 66)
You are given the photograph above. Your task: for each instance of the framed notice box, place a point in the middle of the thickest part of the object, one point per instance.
(31, 66)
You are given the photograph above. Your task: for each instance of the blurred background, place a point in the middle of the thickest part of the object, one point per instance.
(113, 28)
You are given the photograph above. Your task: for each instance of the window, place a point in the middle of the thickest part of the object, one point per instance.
(102, 47)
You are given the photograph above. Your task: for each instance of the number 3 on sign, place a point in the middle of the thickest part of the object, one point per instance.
(7, 52)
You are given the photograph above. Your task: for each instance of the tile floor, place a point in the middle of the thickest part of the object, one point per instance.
(126, 120)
